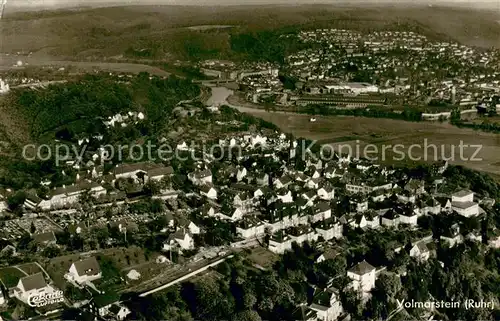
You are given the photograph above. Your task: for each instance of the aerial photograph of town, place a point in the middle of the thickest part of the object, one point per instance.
(250, 160)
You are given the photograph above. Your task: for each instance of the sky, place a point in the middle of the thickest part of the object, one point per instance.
(494, 4)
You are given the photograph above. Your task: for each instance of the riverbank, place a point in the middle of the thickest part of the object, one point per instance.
(358, 132)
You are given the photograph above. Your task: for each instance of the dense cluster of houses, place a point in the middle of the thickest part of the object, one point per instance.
(326, 72)
(294, 198)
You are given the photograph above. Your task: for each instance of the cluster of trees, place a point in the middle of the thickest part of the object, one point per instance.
(408, 114)
(73, 109)
(272, 46)
(484, 126)
(245, 293)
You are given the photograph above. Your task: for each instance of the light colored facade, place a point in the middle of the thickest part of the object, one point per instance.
(363, 276)
(84, 271)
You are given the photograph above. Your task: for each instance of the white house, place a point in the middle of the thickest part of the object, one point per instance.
(363, 277)
(321, 211)
(208, 191)
(280, 242)
(452, 236)
(285, 196)
(250, 227)
(241, 173)
(201, 177)
(408, 216)
(181, 238)
(84, 271)
(282, 182)
(329, 229)
(327, 304)
(463, 203)
(326, 193)
(119, 311)
(420, 251)
(262, 179)
(32, 285)
(313, 183)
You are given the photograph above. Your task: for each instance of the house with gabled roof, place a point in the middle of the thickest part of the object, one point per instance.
(208, 191)
(309, 196)
(118, 311)
(131, 170)
(363, 276)
(284, 195)
(445, 204)
(282, 182)
(326, 303)
(280, 242)
(181, 238)
(390, 218)
(261, 191)
(408, 215)
(209, 210)
(420, 251)
(241, 173)
(313, 183)
(326, 192)
(415, 186)
(32, 201)
(32, 285)
(84, 271)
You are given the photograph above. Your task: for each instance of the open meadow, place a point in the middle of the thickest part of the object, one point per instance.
(341, 131)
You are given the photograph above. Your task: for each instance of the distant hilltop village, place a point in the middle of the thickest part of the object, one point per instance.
(347, 69)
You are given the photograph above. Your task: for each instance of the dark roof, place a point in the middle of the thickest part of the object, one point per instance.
(128, 168)
(362, 268)
(160, 171)
(84, 185)
(322, 207)
(88, 266)
(35, 281)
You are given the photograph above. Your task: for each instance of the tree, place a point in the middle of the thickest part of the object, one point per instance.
(16, 201)
(247, 315)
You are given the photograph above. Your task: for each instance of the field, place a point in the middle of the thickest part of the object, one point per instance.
(122, 259)
(10, 276)
(263, 257)
(386, 133)
(183, 32)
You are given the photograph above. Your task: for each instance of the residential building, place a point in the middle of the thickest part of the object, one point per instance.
(84, 271)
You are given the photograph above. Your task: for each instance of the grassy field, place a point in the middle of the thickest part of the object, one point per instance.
(122, 258)
(263, 257)
(358, 132)
(180, 32)
(10, 276)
